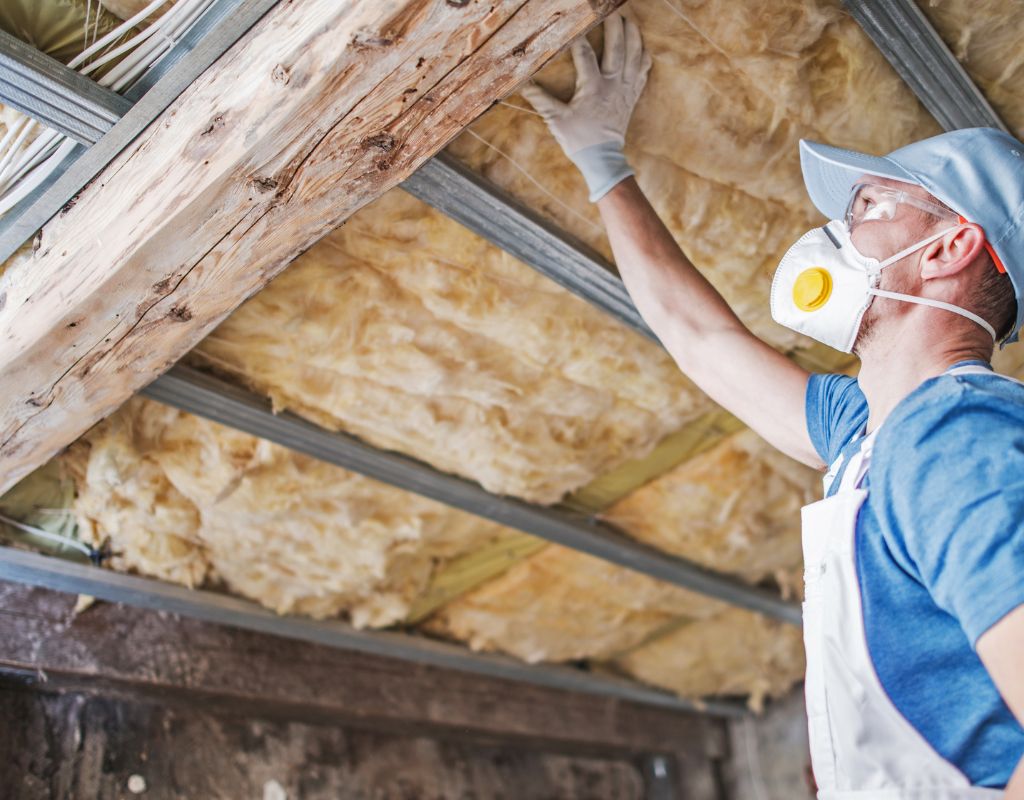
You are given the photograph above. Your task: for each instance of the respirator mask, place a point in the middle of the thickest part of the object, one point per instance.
(823, 285)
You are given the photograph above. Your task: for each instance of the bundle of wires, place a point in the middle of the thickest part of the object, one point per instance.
(31, 152)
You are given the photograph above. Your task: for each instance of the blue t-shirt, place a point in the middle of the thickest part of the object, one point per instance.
(940, 551)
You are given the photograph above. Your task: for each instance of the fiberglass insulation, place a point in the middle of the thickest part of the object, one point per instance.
(414, 334)
(734, 653)
(190, 501)
(735, 509)
(732, 89)
(563, 605)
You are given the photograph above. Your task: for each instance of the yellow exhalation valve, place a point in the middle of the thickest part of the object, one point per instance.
(812, 289)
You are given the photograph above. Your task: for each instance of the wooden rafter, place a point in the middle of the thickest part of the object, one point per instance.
(319, 109)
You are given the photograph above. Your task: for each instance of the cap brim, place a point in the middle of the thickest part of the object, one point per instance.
(830, 173)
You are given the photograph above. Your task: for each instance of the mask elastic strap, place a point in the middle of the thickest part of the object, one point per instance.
(915, 247)
(926, 301)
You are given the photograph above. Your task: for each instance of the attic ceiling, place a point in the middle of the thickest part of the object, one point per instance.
(416, 335)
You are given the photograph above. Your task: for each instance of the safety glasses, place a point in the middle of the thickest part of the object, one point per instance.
(872, 201)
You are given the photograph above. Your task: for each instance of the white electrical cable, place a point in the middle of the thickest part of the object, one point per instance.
(22, 169)
(53, 537)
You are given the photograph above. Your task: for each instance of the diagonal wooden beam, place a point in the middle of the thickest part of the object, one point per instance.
(317, 110)
(220, 26)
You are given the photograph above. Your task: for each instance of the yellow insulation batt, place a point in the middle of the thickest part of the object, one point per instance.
(562, 605)
(735, 509)
(985, 36)
(714, 138)
(734, 653)
(407, 330)
(190, 501)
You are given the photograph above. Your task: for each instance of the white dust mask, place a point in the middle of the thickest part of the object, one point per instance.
(823, 286)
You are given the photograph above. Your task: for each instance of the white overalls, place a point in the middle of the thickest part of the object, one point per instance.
(861, 745)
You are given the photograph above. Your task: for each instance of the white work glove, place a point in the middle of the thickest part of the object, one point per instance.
(591, 128)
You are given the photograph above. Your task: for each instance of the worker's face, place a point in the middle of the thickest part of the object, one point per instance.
(880, 239)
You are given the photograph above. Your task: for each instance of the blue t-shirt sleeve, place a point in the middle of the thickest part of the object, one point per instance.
(836, 411)
(952, 498)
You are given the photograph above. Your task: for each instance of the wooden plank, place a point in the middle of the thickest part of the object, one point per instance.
(111, 646)
(219, 27)
(318, 109)
(88, 746)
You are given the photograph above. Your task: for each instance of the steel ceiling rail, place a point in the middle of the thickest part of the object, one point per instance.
(58, 97)
(907, 39)
(55, 573)
(470, 199)
(211, 36)
(212, 398)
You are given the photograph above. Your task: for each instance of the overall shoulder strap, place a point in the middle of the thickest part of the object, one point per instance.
(860, 460)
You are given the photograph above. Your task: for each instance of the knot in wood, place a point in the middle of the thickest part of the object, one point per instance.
(181, 313)
(381, 141)
(458, 3)
(280, 75)
(263, 184)
(218, 122)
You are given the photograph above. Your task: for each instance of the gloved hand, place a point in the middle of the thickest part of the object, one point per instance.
(591, 128)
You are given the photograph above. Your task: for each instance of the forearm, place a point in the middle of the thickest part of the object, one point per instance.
(676, 301)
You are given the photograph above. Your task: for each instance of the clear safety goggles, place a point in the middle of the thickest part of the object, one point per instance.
(872, 201)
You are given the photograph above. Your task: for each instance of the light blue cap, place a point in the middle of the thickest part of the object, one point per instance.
(978, 172)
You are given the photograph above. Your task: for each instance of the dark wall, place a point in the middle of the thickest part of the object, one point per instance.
(85, 747)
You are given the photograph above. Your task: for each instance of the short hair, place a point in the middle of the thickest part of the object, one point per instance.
(992, 298)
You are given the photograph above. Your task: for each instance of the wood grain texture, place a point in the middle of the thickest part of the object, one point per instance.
(320, 108)
(82, 746)
(122, 650)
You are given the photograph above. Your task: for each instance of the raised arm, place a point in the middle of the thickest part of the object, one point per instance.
(709, 343)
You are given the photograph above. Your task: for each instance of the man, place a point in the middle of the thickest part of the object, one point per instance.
(914, 569)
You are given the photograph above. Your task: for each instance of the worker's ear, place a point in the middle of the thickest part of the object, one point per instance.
(952, 253)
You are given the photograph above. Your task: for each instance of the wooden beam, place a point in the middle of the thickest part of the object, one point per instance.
(317, 110)
(114, 647)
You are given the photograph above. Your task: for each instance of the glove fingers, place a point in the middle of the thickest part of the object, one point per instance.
(638, 60)
(587, 73)
(543, 103)
(614, 46)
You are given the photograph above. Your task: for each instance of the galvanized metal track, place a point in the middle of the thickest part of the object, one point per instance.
(66, 576)
(230, 405)
(60, 98)
(907, 39)
(491, 212)
(219, 28)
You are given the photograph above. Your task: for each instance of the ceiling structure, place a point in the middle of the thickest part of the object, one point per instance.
(410, 332)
